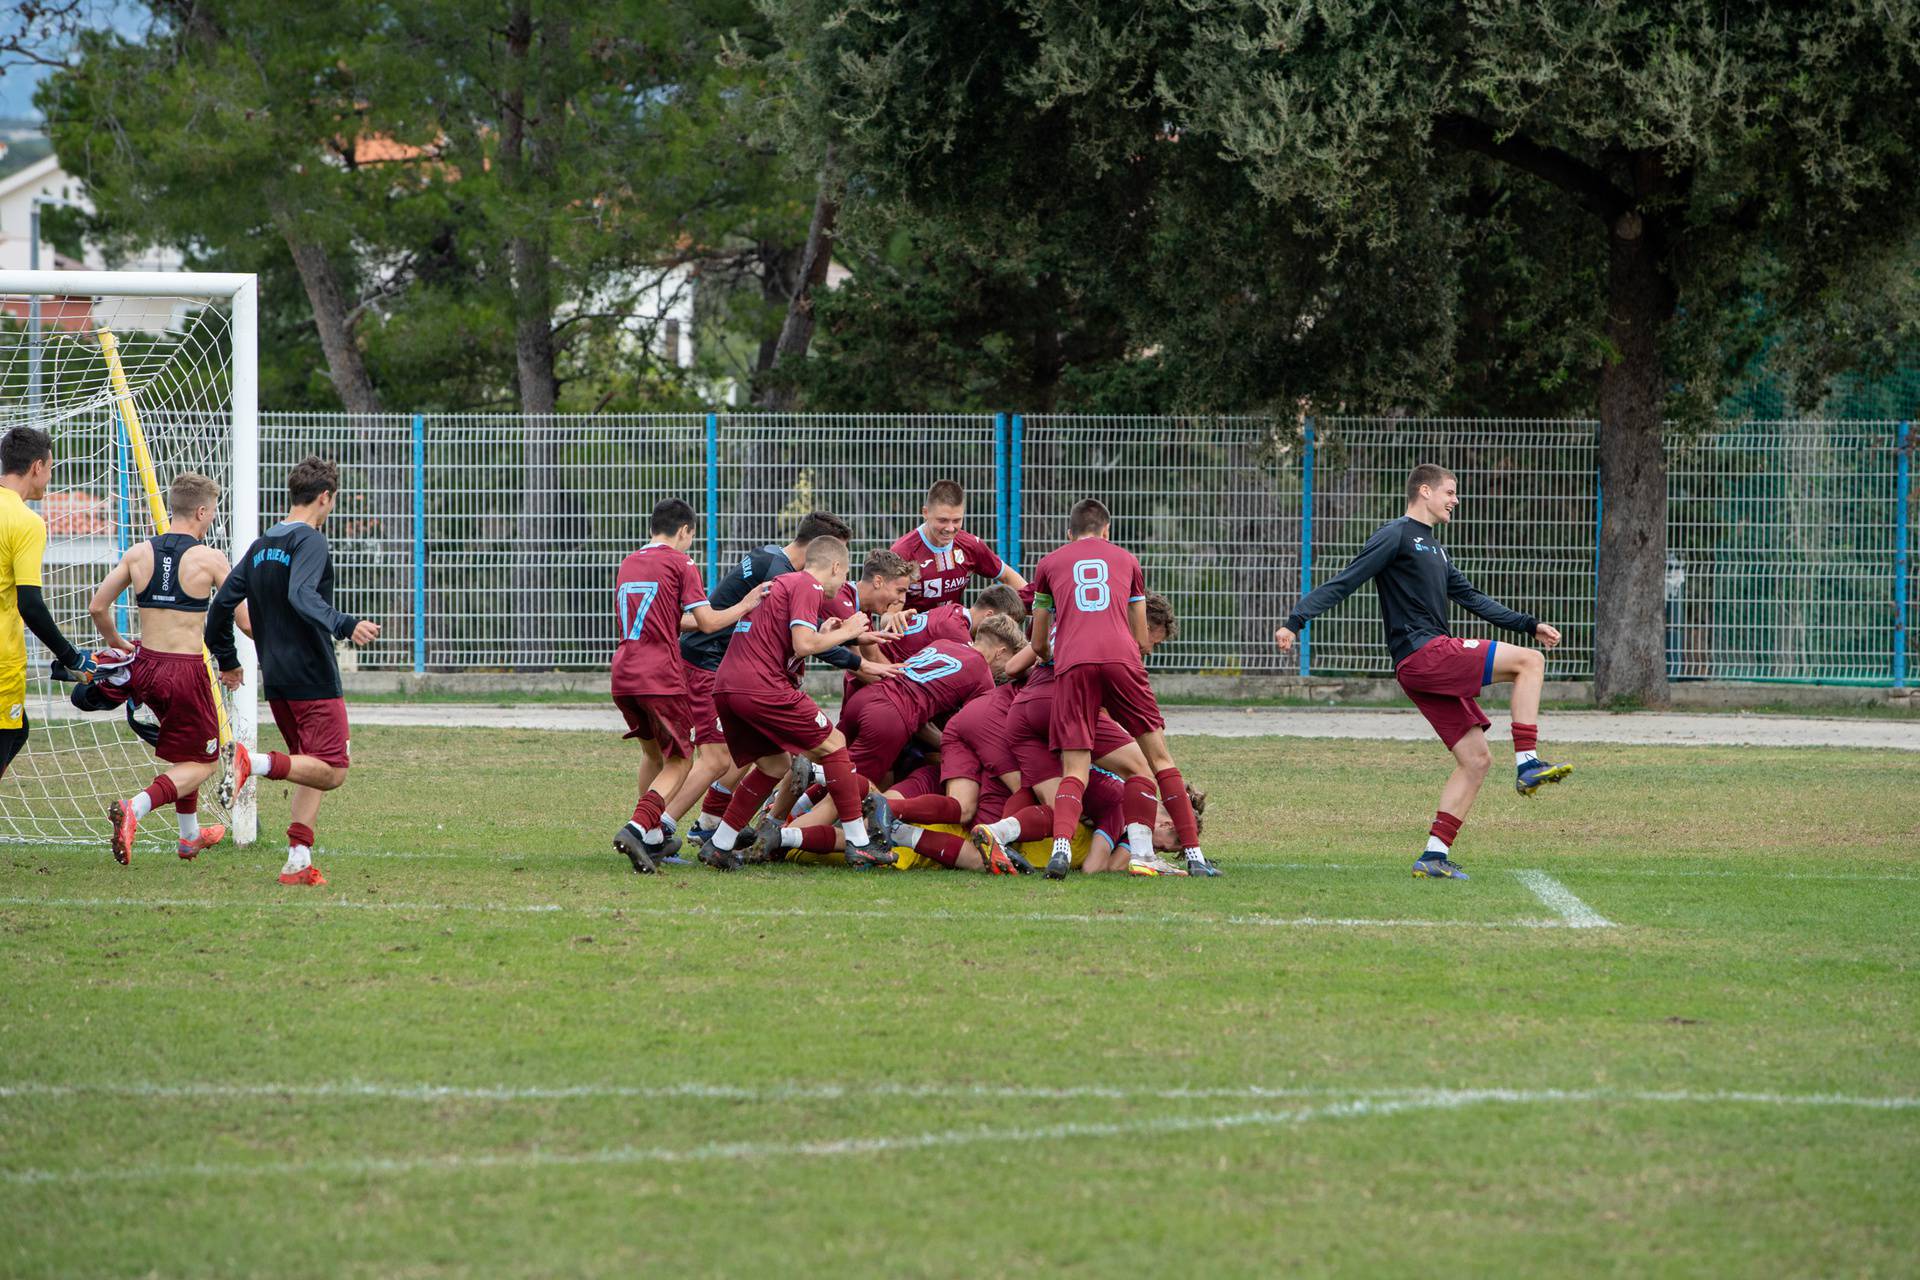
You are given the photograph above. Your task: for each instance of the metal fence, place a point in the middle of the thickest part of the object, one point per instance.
(489, 542)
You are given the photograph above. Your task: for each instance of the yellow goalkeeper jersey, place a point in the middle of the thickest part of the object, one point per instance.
(23, 540)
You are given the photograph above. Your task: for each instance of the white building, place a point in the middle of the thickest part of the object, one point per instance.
(46, 183)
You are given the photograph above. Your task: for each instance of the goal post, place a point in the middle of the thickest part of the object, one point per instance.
(137, 375)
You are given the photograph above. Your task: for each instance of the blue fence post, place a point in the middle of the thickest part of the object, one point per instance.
(124, 522)
(1902, 499)
(419, 544)
(1306, 538)
(1016, 442)
(1002, 512)
(713, 501)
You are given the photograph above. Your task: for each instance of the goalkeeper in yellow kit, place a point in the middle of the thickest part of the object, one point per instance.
(26, 467)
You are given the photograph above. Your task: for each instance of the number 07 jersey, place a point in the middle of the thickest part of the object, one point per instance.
(1090, 584)
(656, 584)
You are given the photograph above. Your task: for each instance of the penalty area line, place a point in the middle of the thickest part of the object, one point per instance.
(1352, 1108)
(1559, 898)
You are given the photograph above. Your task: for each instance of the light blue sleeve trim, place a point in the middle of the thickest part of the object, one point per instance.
(1135, 599)
(692, 604)
(802, 622)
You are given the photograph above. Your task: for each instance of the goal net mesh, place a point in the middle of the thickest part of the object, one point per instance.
(104, 373)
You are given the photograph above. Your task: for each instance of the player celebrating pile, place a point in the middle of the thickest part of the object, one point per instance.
(947, 554)
(1442, 674)
(655, 586)
(1100, 594)
(286, 579)
(173, 576)
(766, 717)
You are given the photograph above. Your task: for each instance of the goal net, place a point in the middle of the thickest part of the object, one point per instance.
(137, 377)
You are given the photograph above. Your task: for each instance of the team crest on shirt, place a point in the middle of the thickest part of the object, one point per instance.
(820, 718)
(213, 745)
(13, 712)
(959, 556)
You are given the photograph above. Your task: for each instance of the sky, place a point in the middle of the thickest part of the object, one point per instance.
(18, 80)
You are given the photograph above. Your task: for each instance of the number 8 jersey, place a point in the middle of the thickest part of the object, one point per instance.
(1090, 584)
(655, 586)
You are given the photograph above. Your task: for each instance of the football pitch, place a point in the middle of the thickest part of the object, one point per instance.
(1668, 1027)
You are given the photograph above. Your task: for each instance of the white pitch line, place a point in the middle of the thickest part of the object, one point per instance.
(1164, 920)
(1589, 869)
(1427, 1100)
(833, 1091)
(1558, 897)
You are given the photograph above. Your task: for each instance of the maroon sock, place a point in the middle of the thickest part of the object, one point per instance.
(1021, 799)
(747, 797)
(160, 791)
(299, 833)
(1036, 822)
(1526, 737)
(1445, 827)
(824, 838)
(1066, 808)
(844, 785)
(279, 764)
(1173, 794)
(1137, 802)
(188, 803)
(927, 809)
(942, 846)
(646, 814)
(714, 803)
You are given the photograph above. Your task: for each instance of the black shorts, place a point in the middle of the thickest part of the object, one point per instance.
(12, 743)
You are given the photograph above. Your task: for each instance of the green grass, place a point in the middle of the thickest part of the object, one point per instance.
(1766, 906)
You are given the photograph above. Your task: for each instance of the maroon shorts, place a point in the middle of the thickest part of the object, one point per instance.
(1079, 695)
(1444, 677)
(706, 720)
(769, 722)
(662, 717)
(314, 727)
(179, 692)
(875, 731)
(962, 757)
(1032, 737)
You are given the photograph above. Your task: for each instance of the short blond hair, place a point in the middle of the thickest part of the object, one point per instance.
(190, 491)
(1002, 630)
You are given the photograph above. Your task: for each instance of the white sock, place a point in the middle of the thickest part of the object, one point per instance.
(141, 804)
(1193, 853)
(855, 829)
(1521, 757)
(1436, 845)
(1140, 842)
(789, 837)
(803, 805)
(820, 774)
(299, 858)
(724, 836)
(905, 833)
(1007, 830)
(1063, 846)
(190, 825)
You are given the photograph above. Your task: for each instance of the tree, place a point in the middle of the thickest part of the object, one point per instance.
(1686, 161)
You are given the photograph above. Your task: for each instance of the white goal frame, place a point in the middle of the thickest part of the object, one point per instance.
(242, 290)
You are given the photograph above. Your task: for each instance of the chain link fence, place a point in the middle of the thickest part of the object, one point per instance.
(488, 542)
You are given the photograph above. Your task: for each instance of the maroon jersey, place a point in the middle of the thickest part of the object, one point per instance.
(937, 681)
(760, 656)
(943, 622)
(944, 570)
(1091, 584)
(656, 584)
